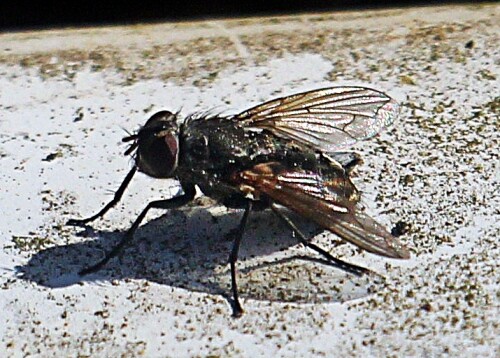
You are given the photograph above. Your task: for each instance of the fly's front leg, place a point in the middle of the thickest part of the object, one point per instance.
(173, 203)
(351, 268)
(116, 199)
(233, 257)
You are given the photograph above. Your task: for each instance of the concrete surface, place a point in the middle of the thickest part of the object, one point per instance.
(67, 97)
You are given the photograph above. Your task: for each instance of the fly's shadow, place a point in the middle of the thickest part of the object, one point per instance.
(189, 248)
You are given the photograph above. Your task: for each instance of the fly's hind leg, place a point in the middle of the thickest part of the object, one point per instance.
(351, 268)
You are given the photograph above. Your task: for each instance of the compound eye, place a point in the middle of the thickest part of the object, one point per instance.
(172, 143)
(157, 155)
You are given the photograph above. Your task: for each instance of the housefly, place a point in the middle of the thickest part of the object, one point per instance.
(287, 154)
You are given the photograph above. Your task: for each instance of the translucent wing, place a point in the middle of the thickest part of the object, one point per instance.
(328, 119)
(324, 201)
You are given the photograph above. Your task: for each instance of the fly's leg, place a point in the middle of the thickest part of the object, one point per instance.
(172, 203)
(233, 257)
(351, 268)
(116, 199)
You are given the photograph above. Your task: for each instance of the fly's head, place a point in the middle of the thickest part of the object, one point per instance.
(156, 145)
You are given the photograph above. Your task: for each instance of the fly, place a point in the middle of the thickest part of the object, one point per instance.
(285, 153)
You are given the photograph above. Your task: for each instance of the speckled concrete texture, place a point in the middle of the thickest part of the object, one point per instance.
(68, 96)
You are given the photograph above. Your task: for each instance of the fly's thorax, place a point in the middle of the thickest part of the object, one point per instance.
(158, 145)
(213, 145)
